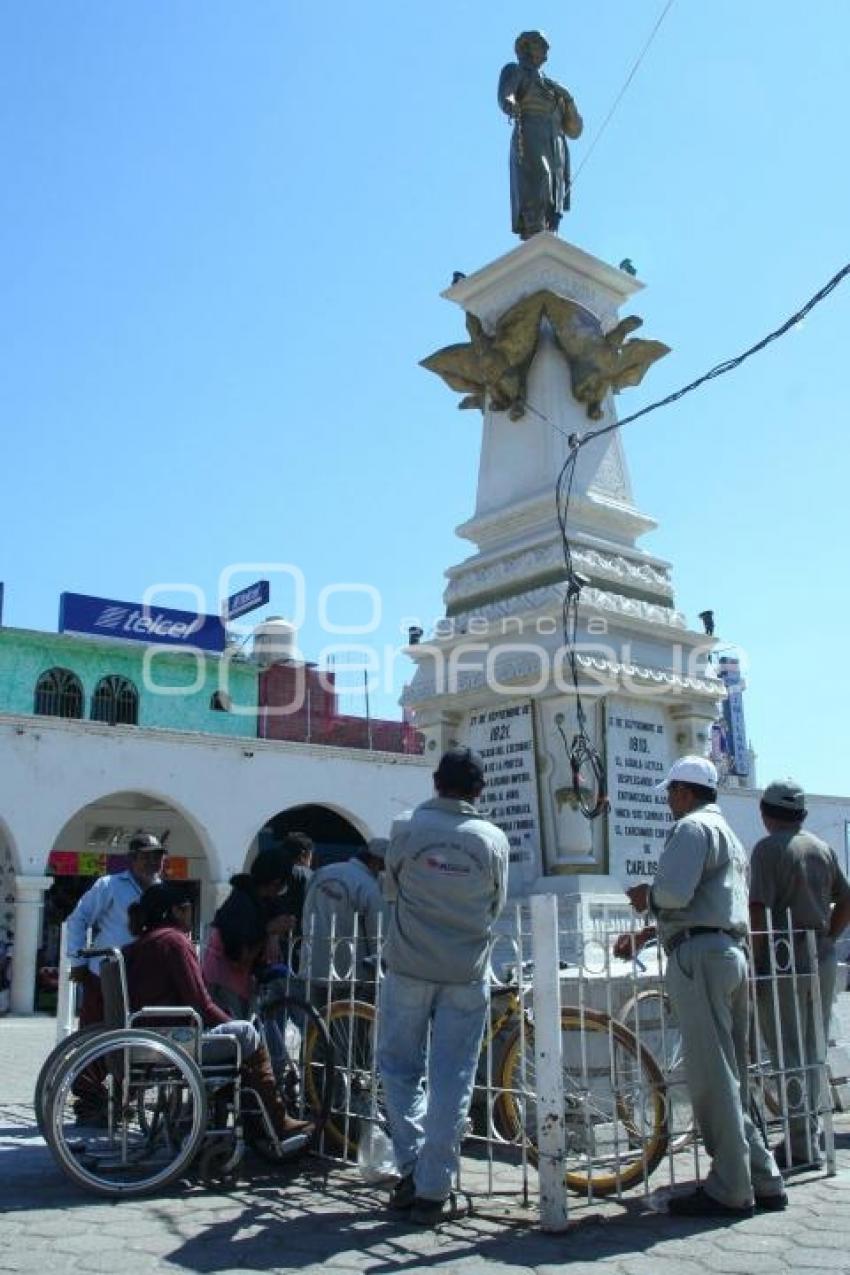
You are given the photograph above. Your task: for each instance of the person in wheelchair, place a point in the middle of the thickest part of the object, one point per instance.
(162, 968)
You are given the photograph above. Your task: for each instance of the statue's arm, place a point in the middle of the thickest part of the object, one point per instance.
(571, 121)
(511, 83)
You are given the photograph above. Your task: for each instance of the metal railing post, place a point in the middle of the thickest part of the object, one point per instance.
(65, 990)
(547, 1059)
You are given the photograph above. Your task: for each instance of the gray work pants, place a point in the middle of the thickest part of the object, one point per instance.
(707, 983)
(803, 1063)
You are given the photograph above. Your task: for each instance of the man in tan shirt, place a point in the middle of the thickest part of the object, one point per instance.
(796, 877)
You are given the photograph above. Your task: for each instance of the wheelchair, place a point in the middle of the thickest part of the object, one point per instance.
(175, 1101)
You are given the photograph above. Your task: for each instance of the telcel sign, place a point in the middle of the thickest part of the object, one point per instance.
(132, 622)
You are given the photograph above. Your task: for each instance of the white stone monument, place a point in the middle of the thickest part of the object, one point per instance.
(494, 674)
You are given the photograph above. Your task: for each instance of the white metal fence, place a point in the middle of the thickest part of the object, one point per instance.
(581, 1088)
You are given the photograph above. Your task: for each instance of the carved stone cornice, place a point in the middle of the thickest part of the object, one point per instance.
(554, 278)
(603, 676)
(466, 582)
(592, 600)
(545, 261)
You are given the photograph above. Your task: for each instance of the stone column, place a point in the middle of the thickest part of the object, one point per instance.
(441, 732)
(29, 900)
(691, 728)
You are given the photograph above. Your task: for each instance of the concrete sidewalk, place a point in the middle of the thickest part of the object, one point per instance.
(313, 1218)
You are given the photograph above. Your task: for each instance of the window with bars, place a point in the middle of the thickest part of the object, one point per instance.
(115, 701)
(58, 693)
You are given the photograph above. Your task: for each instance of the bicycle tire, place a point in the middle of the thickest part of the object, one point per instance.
(766, 1087)
(51, 1066)
(355, 1093)
(650, 1017)
(633, 1071)
(315, 1081)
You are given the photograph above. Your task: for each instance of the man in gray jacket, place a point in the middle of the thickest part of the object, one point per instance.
(446, 883)
(342, 917)
(699, 899)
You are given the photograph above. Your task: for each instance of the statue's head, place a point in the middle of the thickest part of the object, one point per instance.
(532, 47)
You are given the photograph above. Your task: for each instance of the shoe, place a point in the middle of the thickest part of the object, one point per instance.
(432, 1212)
(699, 1203)
(772, 1203)
(813, 1161)
(257, 1073)
(403, 1193)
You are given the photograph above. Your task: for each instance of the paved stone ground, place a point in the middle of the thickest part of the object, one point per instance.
(315, 1219)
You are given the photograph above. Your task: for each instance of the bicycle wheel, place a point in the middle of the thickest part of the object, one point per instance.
(52, 1065)
(130, 1156)
(615, 1118)
(355, 1093)
(290, 1026)
(650, 1017)
(766, 1087)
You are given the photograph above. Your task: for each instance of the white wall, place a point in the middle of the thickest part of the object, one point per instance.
(827, 817)
(225, 789)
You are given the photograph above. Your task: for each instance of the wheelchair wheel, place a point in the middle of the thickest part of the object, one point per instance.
(345, 1053)
(129, 1154)
(290, 1027)
(51, 1067)
(615, 1116)
(649, 1015)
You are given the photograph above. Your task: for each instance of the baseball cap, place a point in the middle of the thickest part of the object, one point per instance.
(460, 768)
(690, 770)
(377, 847)
(144, 842)
(785, 794)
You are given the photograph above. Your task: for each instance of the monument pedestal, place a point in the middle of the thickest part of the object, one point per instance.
(494, 674)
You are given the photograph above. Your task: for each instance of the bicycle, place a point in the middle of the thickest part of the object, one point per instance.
(650, 1016)
(616, 1130)
(307, 1089)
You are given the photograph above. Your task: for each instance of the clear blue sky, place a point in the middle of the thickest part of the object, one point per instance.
(225, 227)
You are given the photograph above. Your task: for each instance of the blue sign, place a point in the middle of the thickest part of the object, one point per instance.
(733, 715)
(133, 622)
(255, 595)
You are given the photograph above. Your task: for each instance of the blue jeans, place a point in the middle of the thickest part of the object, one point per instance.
(426, 1126)
(246, 1033)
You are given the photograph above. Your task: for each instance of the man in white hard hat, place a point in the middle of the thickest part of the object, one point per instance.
(699, 901)
(798, 877)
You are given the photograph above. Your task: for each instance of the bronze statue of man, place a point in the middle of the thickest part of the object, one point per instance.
(544, 115)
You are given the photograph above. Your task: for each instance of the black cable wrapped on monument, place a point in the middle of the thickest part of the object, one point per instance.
(585, 761)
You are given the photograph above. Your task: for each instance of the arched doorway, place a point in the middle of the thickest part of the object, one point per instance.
(335, 837)
(94, 842)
